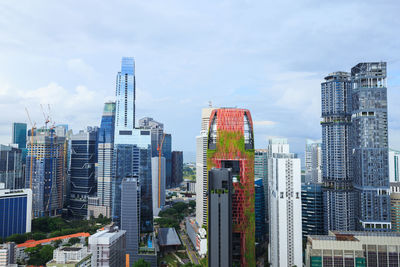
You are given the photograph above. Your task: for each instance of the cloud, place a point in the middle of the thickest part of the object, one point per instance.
(264, 123)
(78, 66)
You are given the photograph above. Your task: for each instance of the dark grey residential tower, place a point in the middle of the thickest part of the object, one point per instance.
(220, 218)
(369, 140)
(338, 193)
(177, 167)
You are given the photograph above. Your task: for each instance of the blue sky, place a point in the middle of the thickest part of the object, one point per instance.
(267, 56)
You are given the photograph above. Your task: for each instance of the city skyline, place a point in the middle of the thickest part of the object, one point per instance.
(184, 66)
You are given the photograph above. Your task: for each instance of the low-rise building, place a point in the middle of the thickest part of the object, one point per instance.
(7, 254)
(357, 249)
(108, 247)
(197, 235)
(75, 256)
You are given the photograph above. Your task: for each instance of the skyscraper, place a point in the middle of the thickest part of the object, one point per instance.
(260, 210)
(220, 218)
(177, 167)
(313, 162)
(336, 165)
(82, 171)
(11, 169)
(231, 145)
(102, 203)
(15, 211)
(158, 185)
(369, 143)
(201, 167)
(261, 172)
(46, 172)
(394, 166)
(395, 205)
(19, 134)
(312, 209)
(284, 178)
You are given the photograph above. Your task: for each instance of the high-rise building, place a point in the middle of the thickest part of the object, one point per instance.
(358, 249)
(71, 256)
(158, 184)
(108, 247)
(46, 172)
(11, 167)
(284, 178)
(19, 134)
(369, 143)
(231, 145)
(177, 167)
(105, 151)
(132, 147)
(395, 205)
(394, 166)
(15, 211)
(82, 170)
(7, 254)
(261, 172)
(336, 164)
(167, 154)
(313, 162)
(219, 223)
(259, 209)
(312, 209)
(201, 168)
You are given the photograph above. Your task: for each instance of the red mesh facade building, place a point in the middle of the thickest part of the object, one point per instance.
(231, 145)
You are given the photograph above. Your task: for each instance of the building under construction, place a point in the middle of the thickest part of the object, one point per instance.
(46, 171)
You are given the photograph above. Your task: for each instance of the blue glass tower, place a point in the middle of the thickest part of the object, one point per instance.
(132, 147)
(336, 164)
(369, 142)
(167, 154)
(312, 209)
(19, 134)
(259, 210)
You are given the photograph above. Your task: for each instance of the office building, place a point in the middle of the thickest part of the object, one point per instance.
(395, 206)
(231, 145)
(369, 143)
(284, 177)
(46, 172)
(74, 256)
(197, 235)
(394, 166)
(313, 161)
(82, 171)
(336, 164)
(11, 167)
(259, 208)
(201, 168)
(158, 181)
(19, 134)
(130, 222)
(261, 172)
(220, 218)
(312, 209)
(7, 254)
(15, 211)
(177, 168)
(132, 147)
(101, 204)
(108, 247)
(359, 249)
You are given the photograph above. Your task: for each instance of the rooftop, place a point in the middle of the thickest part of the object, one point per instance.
(34, 243)
(168, 237)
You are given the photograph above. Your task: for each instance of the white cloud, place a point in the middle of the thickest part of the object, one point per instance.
(264, 123)
(78, 66)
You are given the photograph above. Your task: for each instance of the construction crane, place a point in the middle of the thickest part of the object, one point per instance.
(159, 149)
(33, 127)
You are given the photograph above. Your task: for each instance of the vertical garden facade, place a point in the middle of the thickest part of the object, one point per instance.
(231, 145)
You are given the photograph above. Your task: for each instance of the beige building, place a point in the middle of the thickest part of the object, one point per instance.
(353, 249)
(75, 256)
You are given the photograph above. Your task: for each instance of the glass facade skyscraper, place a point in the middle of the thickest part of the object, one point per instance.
(11, 170)
(19, 134)
(336, 165)
(312, 209)
(369, 143)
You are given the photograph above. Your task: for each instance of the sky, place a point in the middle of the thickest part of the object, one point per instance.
(267, 56)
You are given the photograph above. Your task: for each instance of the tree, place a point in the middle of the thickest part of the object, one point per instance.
(141, 263)
(56, 243)
(39, 236)
(17, 238)
(74, 240)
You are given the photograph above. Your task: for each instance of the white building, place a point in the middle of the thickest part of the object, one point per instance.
(284, 177)
(394, 171)
(76, 255)
(201, 167)
(108, 248)
(197, 235)
(313, 161)
(7, 254)
(158, 187)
